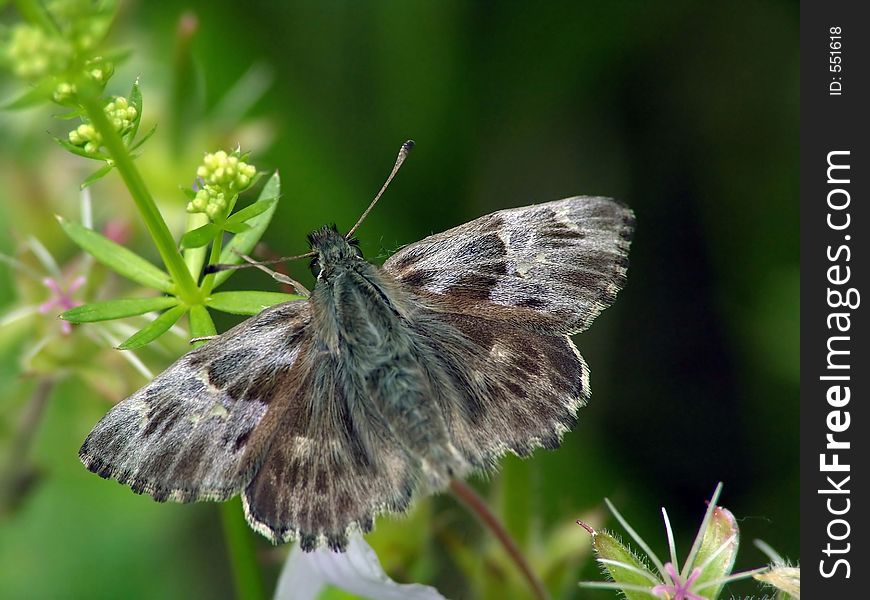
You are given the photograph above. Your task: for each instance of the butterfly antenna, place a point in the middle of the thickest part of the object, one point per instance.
(249, 262)
(403, 154)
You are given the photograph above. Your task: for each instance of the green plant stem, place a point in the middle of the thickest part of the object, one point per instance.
(195, 257)
(243, 560)
(186, 287)
(478, 506)
(214, 257)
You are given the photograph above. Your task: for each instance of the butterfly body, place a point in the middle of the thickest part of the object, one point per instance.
(384, 383)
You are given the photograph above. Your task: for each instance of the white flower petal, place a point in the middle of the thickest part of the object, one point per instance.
(357, 571)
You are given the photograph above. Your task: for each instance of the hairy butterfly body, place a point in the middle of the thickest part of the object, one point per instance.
(385, 382)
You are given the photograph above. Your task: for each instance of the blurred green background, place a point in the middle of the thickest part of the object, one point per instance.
(687, 111)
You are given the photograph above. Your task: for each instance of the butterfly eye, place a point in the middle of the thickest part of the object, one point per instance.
(315, 267)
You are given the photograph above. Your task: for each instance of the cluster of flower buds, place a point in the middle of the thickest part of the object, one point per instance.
(220, 177)
(122, 116)
(32, 54)
(210, 200)
(87, 137)
(226, 170)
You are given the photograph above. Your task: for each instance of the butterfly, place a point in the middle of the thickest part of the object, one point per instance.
(385, 382)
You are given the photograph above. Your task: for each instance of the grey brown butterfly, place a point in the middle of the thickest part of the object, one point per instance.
(385, 382)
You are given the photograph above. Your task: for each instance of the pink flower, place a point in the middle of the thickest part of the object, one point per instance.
(117, 230)
(61, 299)
(678, 590)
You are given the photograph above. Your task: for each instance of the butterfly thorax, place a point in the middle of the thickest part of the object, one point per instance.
(353, 302)
(333, 251)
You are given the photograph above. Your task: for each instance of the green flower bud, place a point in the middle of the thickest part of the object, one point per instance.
(226, 170)
(99, 70)
(85, 136)
(33, 55)
(220, 178)
(121, 115)
(64, 92)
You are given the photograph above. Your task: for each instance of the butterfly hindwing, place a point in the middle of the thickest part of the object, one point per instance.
(501, 388)
(337, 464)
(562, 261)
(197, 431)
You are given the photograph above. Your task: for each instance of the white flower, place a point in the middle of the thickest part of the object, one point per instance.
(357, 571)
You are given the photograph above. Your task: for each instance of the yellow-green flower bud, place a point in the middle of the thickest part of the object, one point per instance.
(87, 137)
(33, 55)
(63, 92)
(220, 178)
(99, 70)
(227, 171)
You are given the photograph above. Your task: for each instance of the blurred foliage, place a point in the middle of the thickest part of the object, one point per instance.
(687, 111)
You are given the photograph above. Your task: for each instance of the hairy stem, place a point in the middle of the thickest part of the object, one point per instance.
(477, 505)
(186, 287)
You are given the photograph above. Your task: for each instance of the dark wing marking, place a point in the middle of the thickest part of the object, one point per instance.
(189, 434)
(336, 467)
(501, 388)
(562, 261)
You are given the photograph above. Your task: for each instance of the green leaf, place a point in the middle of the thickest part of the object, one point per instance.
(188, 191)
(39, 94)
(117, 309)
(244, 242)
(201, 324)
(78, 151)
(154, 329)
(71, 114)
(247, 303)
(97, 175)
(199, 236)
(255, 179)
(144, 138)
(194, 258)
(633, 571)
(718, 550)
(251, 211)
(118, 55)
(136, 102)
(117, 257)
(235, 227)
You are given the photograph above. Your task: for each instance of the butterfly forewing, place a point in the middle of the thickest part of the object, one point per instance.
(196, 431)
(564, 261)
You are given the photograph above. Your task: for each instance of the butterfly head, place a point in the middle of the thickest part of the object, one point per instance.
(332, 251)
